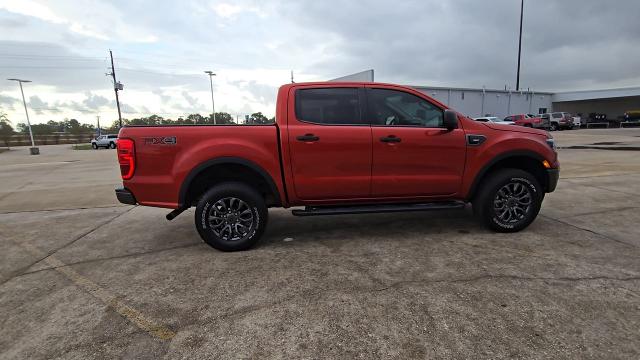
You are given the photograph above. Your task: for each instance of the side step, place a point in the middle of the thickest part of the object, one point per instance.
(380, 208)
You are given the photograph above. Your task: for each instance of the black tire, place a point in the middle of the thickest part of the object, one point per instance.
(516, 215)
(528, 125)
(219, 227)
(553, 127)
(94, 146)
(112, 145)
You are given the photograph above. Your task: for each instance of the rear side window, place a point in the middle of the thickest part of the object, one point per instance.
(556, 115)
(331, 106)
(113, 136)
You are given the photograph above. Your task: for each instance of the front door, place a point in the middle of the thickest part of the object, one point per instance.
(330, 144)
(413, 154)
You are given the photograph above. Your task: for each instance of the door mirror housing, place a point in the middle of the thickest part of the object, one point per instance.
(450, 119)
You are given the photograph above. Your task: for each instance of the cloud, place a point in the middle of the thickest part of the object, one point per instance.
(95, 102)
(36, 104)
(161, 48)
(8, 102)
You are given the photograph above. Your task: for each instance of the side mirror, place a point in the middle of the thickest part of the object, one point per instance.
(450, 119)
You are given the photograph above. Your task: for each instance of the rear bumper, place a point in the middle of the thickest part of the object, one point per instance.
(552, 179)
(125, 196)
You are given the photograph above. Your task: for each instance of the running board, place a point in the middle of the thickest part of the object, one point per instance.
(380, 208)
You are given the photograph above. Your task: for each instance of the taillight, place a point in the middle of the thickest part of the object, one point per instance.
(126, 158)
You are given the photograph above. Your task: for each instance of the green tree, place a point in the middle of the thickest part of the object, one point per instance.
(221, 118)
(36, 129)
(195, 119)
(6, 130)
(258, 118)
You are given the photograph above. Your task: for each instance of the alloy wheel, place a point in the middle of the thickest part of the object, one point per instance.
(231, 219)
(512, 202)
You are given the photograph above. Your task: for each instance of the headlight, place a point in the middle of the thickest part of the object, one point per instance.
(552, 144)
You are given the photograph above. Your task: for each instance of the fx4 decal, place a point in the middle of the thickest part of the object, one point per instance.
(167, 140)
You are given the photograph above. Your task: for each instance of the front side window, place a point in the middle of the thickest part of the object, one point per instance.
(331, 106)
(398, 108)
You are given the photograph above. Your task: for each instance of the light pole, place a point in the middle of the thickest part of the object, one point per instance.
(520, 45)
(33, 150)
(213, 104)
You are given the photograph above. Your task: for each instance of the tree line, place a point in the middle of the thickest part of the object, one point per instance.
(73, 126)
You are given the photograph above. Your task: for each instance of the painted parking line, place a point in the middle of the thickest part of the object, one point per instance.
(132, 315)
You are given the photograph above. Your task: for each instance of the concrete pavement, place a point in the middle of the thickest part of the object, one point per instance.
(84, 277)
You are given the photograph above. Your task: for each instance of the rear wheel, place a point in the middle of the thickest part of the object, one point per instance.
(231, 216)
(112, 145)
(508, 200)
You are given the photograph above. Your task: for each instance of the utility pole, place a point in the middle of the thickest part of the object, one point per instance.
(213, 104)
(33, 150)
(99, 130)
(520, 45)
(292, 77)
(116, 86)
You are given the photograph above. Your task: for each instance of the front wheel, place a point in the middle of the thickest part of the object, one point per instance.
(509, 200)
(231, 216)
(553, 127)
(94, 146)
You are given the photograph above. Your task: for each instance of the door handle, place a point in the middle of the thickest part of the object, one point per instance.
(390, 139)
(307, 138)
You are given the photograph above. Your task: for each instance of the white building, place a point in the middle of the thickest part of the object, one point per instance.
(501, 103)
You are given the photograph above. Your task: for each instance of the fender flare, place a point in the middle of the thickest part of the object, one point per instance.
(184, 188)
(481, 174)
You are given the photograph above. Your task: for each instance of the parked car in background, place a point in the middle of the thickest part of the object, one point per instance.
(493, 119)
(559, 120)
(528, 120)
(577, 121)
(105, 141)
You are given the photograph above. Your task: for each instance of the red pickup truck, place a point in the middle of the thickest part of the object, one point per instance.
(338, 148)
(529, 120)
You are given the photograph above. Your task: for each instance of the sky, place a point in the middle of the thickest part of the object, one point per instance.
(161, 49)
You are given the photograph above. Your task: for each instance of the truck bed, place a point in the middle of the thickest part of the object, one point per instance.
(166, 155)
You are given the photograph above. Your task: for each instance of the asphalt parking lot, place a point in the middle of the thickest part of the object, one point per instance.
(83, 276)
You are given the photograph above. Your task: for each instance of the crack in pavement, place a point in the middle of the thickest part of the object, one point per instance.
(589, 230)
(46, 255)
(63, 209)
(395, 285)
(601, 188)
(124, 256)
(596, 176)
(29, 183)
(604, 211)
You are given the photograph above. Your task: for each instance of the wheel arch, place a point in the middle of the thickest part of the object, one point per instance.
(217, 170)
(528, 161)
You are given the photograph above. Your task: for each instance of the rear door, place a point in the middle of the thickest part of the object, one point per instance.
(413, 154)
(330, 143)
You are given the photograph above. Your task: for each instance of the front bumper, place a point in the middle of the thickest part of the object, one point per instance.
(552, 179)
(125, 196)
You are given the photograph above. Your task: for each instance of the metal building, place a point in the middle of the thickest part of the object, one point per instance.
(502, 103)
(490, 102)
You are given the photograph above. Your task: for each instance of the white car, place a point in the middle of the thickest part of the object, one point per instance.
(105, 141)
(494, 119)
